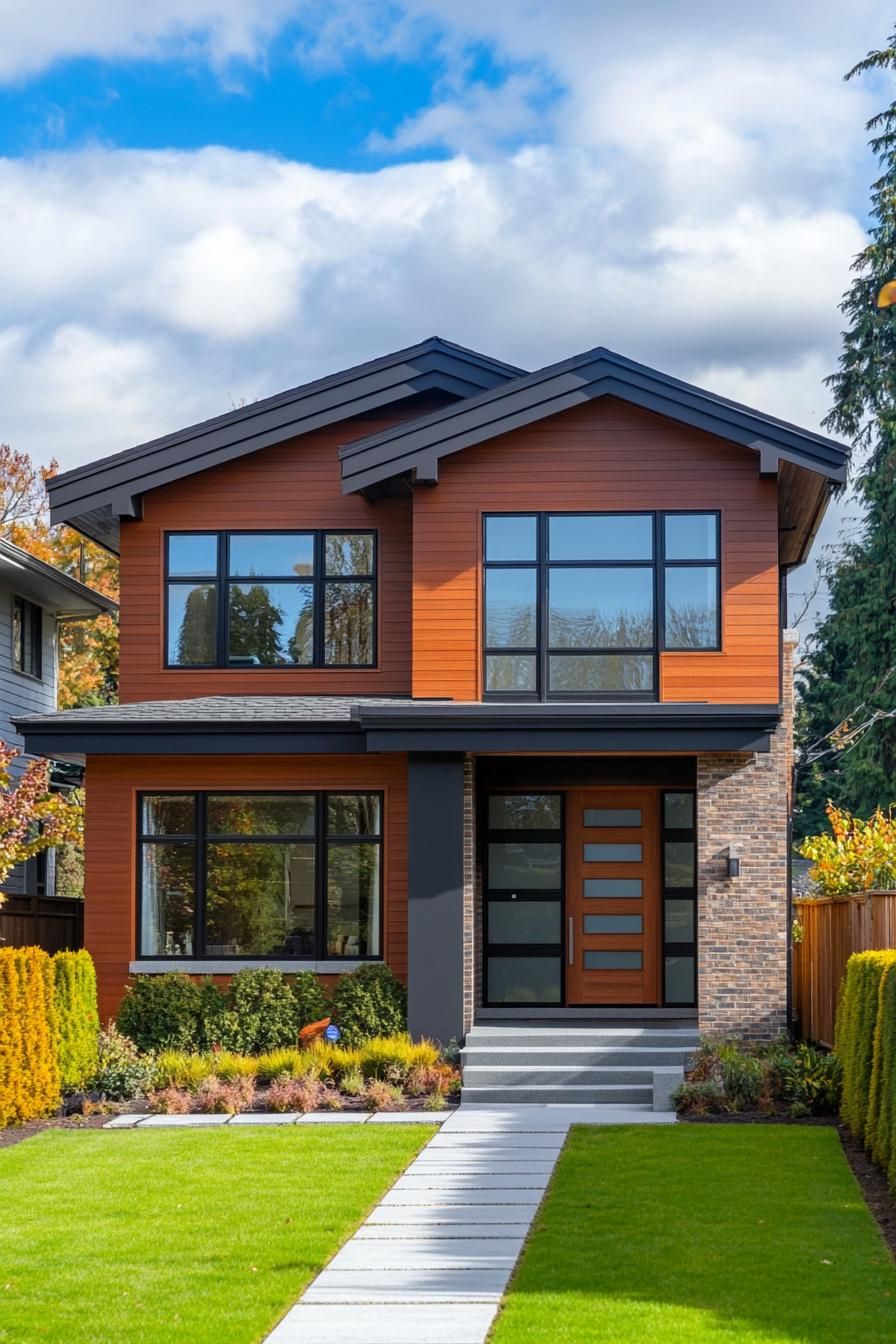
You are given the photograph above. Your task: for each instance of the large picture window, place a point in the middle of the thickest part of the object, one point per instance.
(270, 599)
(580, 604)
(277, 875)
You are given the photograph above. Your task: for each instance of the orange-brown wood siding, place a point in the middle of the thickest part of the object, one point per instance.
(294, 485)
(112, 787)
(605, 455)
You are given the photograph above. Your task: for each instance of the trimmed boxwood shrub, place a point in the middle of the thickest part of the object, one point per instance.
(879, 1127)
(370, 1001)
(77, 1018)
(855, 1033)
(312, 1002)
(29, 1069)
(162, 1012)
(261, 1013)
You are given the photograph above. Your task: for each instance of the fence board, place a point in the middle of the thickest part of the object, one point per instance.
(833, 928)
(55, 923)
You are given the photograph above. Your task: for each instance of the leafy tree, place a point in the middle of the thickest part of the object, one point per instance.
(848, 679)
(254, 624)
(88, 650)
(32, 818)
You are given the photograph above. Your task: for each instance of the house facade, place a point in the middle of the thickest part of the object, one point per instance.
(478, 672)
(35, 600)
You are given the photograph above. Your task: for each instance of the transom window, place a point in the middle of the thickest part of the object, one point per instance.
(270, 599)
(276, 875)
(580, 604)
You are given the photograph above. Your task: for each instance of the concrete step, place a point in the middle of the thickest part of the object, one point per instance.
(570, 1095)
(609, 1056)
(498, 1075)
(509, 1038)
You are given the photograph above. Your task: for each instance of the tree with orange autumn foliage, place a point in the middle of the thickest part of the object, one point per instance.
(856, 856)
(32, 818)
(88, 650)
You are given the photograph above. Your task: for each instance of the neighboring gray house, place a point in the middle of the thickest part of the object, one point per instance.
(34, 599)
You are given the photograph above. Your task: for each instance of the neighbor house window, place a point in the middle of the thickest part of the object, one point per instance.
(270, 599)
(292, 876)
(27, 637)
(580, 604)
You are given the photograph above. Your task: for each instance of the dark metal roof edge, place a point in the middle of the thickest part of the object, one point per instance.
(540, 717)
(88, 596)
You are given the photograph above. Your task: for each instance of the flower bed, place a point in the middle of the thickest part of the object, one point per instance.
(776, 1081)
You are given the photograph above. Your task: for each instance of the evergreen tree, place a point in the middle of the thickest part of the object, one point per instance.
(847, 676)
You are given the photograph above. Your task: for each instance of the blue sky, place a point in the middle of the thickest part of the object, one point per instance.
(206, 201)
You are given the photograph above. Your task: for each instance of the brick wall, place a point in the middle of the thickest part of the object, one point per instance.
(743, 801)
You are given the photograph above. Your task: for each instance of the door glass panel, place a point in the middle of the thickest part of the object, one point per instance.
(691, 536)
(692, 607)
(613, 853)
(510, 608)
(510, 672)
(678, 811)
(524, 866)
(613, 888)
(680, 980)
(679, 917)
(612, 961)
(524, 921)
(679, 863)
(601, 672)
(590, 536)
(612, 816)
(600, 608)
(614, 924)
(524, 812)
(523, 979)
(510, 537)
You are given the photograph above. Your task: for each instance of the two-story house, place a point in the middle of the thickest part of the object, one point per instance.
(480, 672)
(35, 599)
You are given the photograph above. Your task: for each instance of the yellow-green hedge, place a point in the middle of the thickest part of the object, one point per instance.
(865, 1041)
(77, 1018)
(29, 1066)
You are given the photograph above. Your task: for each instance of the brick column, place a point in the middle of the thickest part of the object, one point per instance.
(743, 802)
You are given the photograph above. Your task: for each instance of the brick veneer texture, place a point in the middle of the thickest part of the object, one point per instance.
(743, 801)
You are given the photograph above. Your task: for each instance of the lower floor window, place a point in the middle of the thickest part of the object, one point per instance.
(280, 875)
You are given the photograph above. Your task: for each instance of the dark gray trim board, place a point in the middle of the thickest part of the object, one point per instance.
(435, 896)
(94, 497)
(418, 445)
(52, 588)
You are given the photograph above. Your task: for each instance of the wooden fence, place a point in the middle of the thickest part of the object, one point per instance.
(55, 923)
(833, 928)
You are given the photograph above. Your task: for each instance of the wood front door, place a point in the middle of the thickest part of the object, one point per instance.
(612, 896)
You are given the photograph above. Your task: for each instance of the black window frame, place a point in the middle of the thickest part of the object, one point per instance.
(542, 652)
(200, 838)
(686, 835)
(222, 580)
(30, 617)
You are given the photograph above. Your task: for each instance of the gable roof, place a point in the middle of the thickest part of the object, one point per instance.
(52, 588)
(419, 444)
(93, 498)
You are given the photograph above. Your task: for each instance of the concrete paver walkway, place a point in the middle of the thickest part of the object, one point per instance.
(431, 1263)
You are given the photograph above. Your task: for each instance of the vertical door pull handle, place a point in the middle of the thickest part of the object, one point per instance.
(571, 938)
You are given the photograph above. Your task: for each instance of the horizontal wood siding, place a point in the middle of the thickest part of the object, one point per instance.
(605, 455)
(110, 885)
(294, 485)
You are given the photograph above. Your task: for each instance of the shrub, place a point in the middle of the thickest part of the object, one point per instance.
(380, 1096)
(214, 1020)
(352, 1083)
(226, 1065)
(699, 1098)
(393, 1057)
(881, 1120)
(295, 1094)
(216, 1097)
(810, 1080)
(311, 999)
(121, 1073)
(77, 1018)
(334, 1061)
(176, 1068)
(292, 1063)
(170, 1101)
(29, 1068)
(330, 1098)
(857, 855)
(370, 1002)
(854, 1034)
(742, 1076)
(426, 1079)
(262, 1012)
(434, 1102)
(162, 1012)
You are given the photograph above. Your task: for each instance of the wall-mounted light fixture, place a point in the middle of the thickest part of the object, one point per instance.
(732, 862)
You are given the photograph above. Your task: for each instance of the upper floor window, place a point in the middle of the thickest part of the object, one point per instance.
(27, 637)
(580, 604)
(270, 599)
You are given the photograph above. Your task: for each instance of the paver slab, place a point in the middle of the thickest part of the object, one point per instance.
(126, 1121)
(183, 1121)
(403, 1215)
(266, 1118)
(418, 1179)
(467, 1231)
(429, 1253)
(465, 1323)
(422, 1198)
(409, 1285)
(334, 1118)
(410, 1117)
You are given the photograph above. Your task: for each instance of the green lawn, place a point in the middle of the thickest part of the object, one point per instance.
(698, 1234)
(182, 1237)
